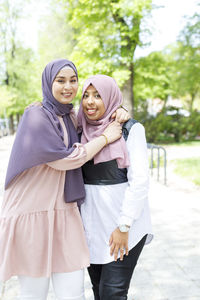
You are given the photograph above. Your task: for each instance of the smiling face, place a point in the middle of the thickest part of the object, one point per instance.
(93, 106)
(65, 85)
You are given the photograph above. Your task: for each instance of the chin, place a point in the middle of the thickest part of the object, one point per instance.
(92, 118)
(66, 101)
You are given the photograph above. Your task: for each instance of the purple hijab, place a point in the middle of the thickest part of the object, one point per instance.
(40, 138)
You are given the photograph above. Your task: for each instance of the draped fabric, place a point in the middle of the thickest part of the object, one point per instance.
(112, 98)
(40, 139)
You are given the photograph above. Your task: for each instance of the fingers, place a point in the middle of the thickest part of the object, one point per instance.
(121, 253)
(116, 249)
(120, 118)
(118, 244)
(113, 115)
(123, 117)
(112, 248)
(126, 249)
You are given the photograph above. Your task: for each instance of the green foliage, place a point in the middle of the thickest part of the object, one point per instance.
(106, 33)
(154, 76)
(195, 143)
(17, 77)
(175, 71)
(55, 38)
(154, 164)
(188, 168)
(168, 128)
(6, 98)
(188, 61)
(186, 79)
(23, 84)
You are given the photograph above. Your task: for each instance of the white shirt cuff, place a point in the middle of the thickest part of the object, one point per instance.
(125, 220)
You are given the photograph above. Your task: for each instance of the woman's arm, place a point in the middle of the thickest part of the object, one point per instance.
(83, 153)
(138, 176)
(137, 191)
(121, 115)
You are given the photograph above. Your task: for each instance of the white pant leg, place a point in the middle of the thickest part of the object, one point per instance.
(69, 286)
(33, 288)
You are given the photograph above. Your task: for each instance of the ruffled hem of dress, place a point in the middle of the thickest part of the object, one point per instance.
(41, 243)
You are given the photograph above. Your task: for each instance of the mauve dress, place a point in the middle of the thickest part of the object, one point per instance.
(39, 233)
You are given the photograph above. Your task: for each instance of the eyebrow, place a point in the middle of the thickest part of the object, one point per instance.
(65, 77)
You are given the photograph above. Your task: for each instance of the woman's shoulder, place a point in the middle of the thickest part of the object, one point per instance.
(129, 126)
(34, 111)
(34, 115)
(34, 119)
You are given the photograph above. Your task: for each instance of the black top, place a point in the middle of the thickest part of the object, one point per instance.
(107, 173)
(104, 173)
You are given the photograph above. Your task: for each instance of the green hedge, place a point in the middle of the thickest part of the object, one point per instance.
(167, 128)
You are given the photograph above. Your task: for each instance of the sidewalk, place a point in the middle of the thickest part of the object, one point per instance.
(169, 268)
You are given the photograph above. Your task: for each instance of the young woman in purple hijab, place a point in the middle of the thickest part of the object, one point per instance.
(41, 233)
(115, 213)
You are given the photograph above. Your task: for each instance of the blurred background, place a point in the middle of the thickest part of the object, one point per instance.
(152, 49)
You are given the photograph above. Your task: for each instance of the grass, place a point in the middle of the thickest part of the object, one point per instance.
(155, 161)
(188, 168)
(184, 144)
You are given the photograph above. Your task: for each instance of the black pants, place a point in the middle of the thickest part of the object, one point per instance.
(111, 281)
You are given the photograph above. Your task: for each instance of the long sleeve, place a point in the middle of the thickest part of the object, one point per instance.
(73, 161)
(138, 176)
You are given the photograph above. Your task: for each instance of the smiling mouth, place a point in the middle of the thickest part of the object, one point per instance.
(66, 95)
(91, 111)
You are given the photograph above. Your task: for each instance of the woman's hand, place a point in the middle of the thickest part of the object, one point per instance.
(121, 115)
(113, 132)
(34, 104)
(118, 242)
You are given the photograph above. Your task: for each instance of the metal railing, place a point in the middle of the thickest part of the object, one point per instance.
(157, 148)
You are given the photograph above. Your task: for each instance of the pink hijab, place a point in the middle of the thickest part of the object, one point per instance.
(112, 98)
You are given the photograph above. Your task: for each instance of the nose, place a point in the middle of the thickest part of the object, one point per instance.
(90, 99)
(67, 85)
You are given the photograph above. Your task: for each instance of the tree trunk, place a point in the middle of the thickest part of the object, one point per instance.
(127, 91)
(11, 121)
(191, 102)
(18, 118)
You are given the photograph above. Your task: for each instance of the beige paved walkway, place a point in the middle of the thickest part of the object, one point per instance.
(169, 268)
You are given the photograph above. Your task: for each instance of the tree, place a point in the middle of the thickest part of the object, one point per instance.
(57, 31)
(186, 83)
(17, 75)
(154, 76)
(187, 56)
(106, 34)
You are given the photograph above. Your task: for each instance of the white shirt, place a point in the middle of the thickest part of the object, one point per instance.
(107, 206)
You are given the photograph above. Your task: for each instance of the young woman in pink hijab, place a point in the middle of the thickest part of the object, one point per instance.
(115, 213)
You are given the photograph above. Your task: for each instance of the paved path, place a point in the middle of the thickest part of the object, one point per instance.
(169, 268)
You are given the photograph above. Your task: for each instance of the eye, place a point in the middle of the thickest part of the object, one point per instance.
(97, 96)
(60, 80)
(73, 80)
(85, 96)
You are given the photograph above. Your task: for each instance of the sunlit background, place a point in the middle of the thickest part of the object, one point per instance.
(152, 49)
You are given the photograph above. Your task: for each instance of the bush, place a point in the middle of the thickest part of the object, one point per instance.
(170, 125)
(188, 168)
